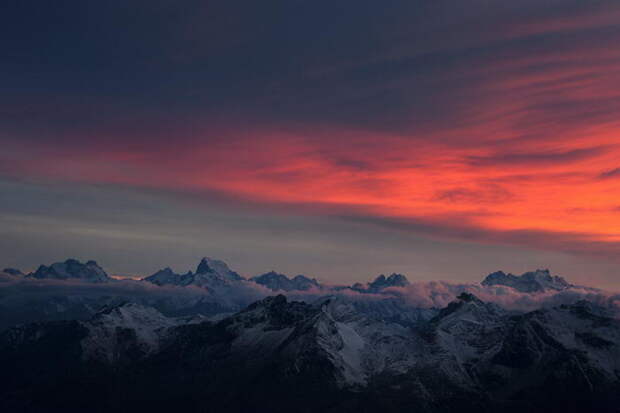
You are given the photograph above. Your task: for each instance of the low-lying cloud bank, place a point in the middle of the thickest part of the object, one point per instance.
(26, 300)
(439, 294)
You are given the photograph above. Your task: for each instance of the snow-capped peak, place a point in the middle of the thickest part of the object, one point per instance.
(529, 282)
(210, 273)
(211, 266)
(124, 325)
(72, 269)
(280, 282)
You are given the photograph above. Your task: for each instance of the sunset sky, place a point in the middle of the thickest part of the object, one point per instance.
(340, 139)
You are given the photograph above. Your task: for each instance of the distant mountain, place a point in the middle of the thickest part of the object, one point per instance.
(280, 282)
(210, 273)
(279, 355)
(13, 271)
(72, 269)
(214, 289)
(529, 282)
(382, 282)
(126, 332)
(215, 275)
(169, 277)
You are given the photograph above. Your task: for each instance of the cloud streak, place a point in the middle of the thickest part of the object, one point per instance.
(537, 158)
(614, 173)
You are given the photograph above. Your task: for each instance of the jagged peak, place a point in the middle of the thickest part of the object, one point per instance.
(209, 265)
(71, 269)
(280, 282)
(531, 281)
(394, 280)
(203, 267)
(380, 278)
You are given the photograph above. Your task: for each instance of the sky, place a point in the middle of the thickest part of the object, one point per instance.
(339, 139)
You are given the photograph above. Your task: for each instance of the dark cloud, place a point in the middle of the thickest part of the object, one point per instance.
(614, 173)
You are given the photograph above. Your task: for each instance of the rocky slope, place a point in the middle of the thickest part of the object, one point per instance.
(329, 355)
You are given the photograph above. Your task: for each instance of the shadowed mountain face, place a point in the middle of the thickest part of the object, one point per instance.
(278, 355)
(213, 340)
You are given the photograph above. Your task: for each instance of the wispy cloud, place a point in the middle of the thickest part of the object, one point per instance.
(614, 173)
(538, 158)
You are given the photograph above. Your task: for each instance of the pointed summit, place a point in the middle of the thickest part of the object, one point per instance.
(468, 307)
(203, 266)
(211, 266)
(379, 280)
(210, 274)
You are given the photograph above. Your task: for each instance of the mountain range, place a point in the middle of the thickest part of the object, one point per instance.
(320, 356)
(312, 348)
(213, 274)
(529, 282)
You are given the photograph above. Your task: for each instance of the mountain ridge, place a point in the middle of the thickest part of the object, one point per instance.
(475, 351)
